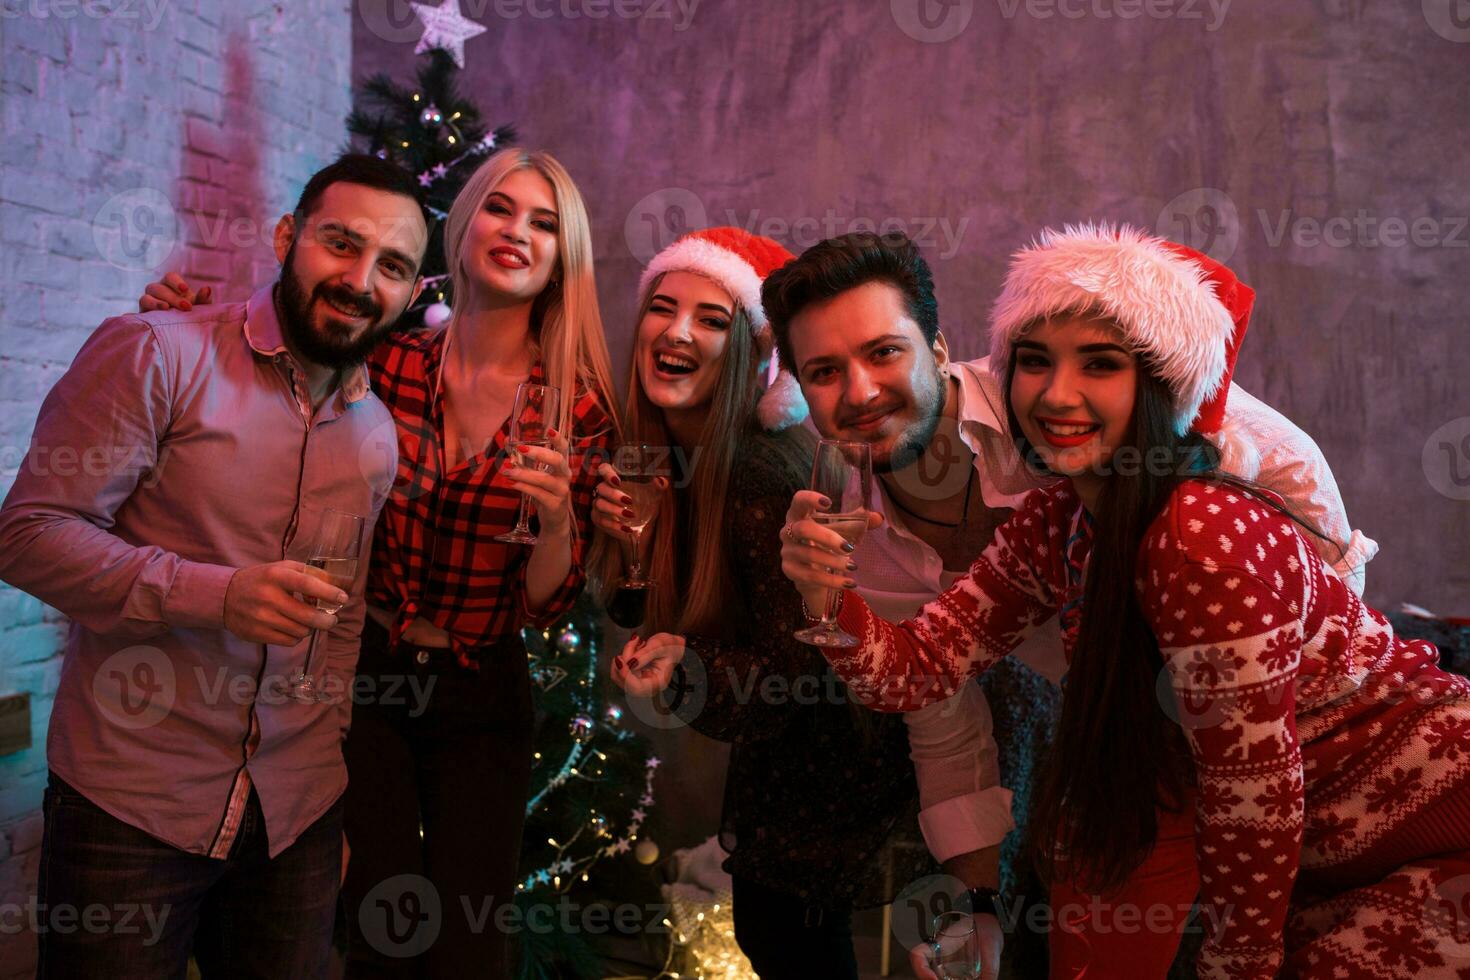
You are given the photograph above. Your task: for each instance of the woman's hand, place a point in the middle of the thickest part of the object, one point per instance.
(646, 667)
(544, 474)
(813, 557)
(611, 507)
(173, 293)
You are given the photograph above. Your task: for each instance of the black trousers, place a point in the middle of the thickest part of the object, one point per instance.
(439, 768)
(786, 939)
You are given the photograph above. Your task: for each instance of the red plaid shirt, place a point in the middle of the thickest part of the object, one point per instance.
(434, 550)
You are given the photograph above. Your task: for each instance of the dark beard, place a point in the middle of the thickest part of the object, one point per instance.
(913, 440)
(332, 347)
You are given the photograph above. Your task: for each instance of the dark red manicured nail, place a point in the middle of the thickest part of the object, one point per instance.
(633, 664)
(616, 482)
(523, 448)
(824, 502)
(628, 513)
(618, 662)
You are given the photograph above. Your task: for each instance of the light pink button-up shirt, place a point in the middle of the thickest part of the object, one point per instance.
(176, 449)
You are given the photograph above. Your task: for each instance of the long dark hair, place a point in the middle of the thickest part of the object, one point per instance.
(1118, 757)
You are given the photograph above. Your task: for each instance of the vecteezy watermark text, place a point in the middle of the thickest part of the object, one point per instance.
(1211, 12)
(149, 12)
(396, 21)
(96, 918)
(404, 915)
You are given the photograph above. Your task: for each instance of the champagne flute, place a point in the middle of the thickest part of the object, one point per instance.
(333, 559)
(843, 473)
(639, 466)
(955, 947)
(531, 420)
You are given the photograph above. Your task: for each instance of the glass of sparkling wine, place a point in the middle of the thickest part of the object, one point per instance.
(843, 473)
(333, 559)
(639, 466)
(955, 948)
(531, 420)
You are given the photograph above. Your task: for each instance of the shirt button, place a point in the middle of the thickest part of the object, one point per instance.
(423, 656)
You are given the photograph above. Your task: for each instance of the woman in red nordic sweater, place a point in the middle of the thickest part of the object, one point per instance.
(1236, 724)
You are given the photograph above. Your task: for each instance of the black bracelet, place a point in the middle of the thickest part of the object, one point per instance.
(985, 901)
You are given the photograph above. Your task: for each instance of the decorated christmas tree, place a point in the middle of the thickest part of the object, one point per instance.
(431, 130)
(592, 781)
(591, 790)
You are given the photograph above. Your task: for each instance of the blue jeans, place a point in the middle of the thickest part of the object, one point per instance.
(115, 903)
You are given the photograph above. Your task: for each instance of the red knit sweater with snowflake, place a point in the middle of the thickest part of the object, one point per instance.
(1290, 690)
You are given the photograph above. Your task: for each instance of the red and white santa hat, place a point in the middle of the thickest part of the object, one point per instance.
(739, 262)
(1178, 307)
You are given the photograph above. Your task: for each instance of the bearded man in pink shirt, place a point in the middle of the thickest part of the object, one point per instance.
(207, 445)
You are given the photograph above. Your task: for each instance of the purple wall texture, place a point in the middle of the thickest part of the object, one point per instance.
(1318, 147)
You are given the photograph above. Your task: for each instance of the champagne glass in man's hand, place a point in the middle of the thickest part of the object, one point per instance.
(842, 480)
(955, 951)
(333, 559)
(275, 603)
(987, 930)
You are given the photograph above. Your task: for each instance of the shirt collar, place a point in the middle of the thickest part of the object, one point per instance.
(263, 334)
(981, 402)
(980, 410)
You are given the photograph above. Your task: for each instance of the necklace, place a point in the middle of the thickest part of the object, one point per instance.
(964, 515)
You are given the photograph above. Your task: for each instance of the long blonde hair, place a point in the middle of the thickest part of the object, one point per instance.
(565, 321)
(696, 599)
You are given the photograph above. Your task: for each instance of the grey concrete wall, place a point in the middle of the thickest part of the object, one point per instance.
(1319, 146)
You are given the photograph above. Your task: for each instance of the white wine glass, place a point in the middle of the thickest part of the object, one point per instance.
(333, 559)
(531, 420)
(955, 949)
(640, 467)
(843, 473)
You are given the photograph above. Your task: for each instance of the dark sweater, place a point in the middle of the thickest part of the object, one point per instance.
(816, 785)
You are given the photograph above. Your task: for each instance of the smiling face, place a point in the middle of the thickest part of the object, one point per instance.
(1073, 390)
(348, 271)
(867, 373)
(510, 248)
(682, 340)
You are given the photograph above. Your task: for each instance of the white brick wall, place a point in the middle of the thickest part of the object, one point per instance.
(222, 107)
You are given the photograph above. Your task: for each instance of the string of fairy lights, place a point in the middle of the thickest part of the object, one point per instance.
(432, 116)
(703, 943)
(582, 762)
